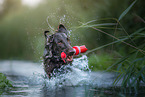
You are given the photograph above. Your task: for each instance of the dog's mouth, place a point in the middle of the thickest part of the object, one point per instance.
(69, 58)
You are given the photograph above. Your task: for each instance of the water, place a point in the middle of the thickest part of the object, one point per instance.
(29, 80)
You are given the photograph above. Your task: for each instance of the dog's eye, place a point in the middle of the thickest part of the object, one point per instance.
(60, 42)
(68, 39)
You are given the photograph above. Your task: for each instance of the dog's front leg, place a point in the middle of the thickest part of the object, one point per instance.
(49, 69)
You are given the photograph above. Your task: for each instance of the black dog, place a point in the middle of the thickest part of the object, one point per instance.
(56, 44)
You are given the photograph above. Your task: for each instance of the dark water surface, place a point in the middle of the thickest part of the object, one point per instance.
(29, 81)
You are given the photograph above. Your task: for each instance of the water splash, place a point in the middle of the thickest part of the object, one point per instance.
(62, 19)
(71, 75)
(29, 79)
(77, 74)
(51, 28)
(81, 63)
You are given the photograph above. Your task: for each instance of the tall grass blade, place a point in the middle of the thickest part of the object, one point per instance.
(119, 67)
(120, 40)
(143, 77)
(126, 11)
(138, 75)
(128, 73)
(96, 25)
(120, 61)
(117, 79)
(140, 50)
(104, 46)
(102, 19)
(138, 31)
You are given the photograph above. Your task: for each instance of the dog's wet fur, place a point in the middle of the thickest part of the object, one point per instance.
(55, 44)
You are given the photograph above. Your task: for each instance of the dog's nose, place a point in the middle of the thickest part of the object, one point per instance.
(71, 52)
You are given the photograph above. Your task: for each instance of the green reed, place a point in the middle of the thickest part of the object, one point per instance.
(130, 66)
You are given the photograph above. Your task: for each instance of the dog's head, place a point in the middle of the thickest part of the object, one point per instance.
(58, 43)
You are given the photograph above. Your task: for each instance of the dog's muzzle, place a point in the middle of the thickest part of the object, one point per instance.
(76, 51)
(68, 58)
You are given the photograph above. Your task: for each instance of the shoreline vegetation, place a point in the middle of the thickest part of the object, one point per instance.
(4, 83)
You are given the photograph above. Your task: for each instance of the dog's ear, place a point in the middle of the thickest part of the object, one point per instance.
(45, 34)
(62, 29)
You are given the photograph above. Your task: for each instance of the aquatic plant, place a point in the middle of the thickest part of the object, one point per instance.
(4, 82)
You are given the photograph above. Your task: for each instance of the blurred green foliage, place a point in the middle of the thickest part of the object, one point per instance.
(4, 82)
(22, 27)
(100, 61)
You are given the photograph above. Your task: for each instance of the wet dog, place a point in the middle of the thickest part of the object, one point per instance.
(55, 44)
